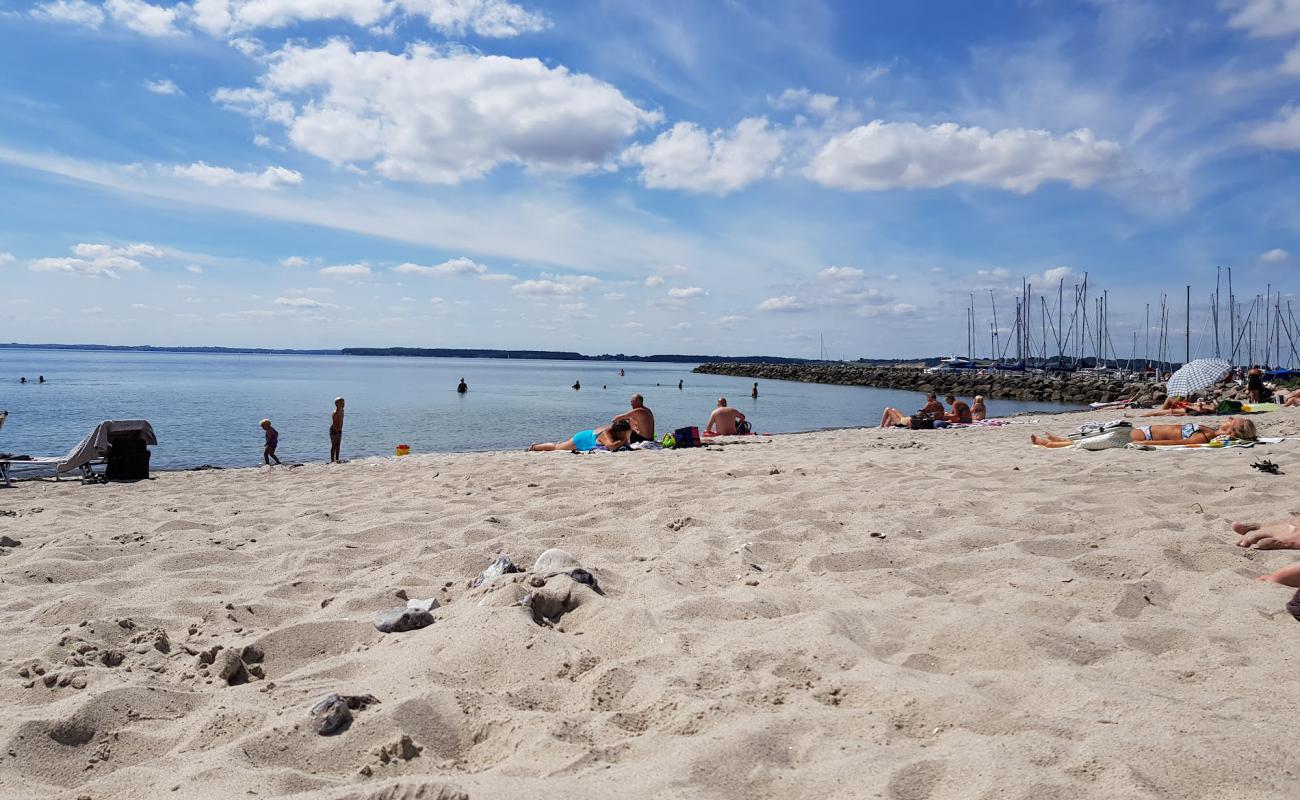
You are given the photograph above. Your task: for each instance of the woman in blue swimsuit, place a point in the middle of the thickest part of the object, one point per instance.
(611, 438)
(1189, 433)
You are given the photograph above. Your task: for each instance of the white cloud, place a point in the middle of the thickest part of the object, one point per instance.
(782, 303)
(489, 18)
(7, 258)
(1275, 256)
(104, 250)
(556, 285)
(269, 178)
(1266, 17)
(293, 261)
(803, 100)
(143, 18)
(840, 273)
(498, 277)
(1282, 133)
(164, 86)
(301, 302)
(1291, 64)
(455, 266)
(98, 260)
(346, 270)
(435, 300)
(76, 12)
(654, 280)
(730, 319)
(873, 74)
(1052, 277)
(439, 116)
(614, 296)
(195, 268)
(686, 293)
(893, 155)
(895, 310)
(721, 162)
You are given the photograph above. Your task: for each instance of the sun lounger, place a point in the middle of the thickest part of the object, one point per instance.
(88, 452)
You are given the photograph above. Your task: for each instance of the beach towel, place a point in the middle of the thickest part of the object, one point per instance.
(1218, 444)
(981, 423)
(1259, 408)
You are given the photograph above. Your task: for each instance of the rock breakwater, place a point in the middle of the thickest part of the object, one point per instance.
(1077, 387)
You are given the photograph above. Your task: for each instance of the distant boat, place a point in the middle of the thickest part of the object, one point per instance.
(951, 364)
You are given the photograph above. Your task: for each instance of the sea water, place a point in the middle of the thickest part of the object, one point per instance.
(206, 408)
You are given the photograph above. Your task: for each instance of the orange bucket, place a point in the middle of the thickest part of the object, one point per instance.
(402, 450)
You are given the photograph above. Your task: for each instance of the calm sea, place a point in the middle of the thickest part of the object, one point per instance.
(206, 408)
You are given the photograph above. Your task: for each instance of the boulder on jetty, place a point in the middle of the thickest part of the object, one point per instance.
(1073, 387)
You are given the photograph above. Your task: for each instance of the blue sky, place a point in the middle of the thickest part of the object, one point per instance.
(607, 176)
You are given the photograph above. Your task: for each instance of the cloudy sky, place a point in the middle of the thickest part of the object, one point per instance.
(615, 175)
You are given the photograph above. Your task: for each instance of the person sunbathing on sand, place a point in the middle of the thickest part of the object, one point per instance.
(1281, 535)
(612, 438)
(1190, 433)
(977, 409)
(893, 418)
(1181, 408)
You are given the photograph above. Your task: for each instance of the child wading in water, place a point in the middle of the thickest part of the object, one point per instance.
(272, 440)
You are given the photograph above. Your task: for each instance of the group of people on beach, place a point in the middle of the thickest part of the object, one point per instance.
(935, 415)
(638, 425)
(272, 436)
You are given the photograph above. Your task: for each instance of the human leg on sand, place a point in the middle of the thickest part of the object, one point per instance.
(549, 446)
(1049, 440)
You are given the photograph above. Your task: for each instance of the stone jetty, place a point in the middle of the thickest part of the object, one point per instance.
(1076, 387)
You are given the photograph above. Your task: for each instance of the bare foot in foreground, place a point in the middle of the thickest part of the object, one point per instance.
(1281, 535)
(1287, 576)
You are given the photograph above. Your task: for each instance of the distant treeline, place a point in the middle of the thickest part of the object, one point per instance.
(148, 348)
(558, 355)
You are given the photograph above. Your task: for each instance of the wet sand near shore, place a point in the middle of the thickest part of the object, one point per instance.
(843, 614)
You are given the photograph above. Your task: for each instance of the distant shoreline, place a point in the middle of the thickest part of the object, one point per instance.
(424, 352)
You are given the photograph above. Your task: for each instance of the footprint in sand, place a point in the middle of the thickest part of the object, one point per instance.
(916, 781)
(611, 688)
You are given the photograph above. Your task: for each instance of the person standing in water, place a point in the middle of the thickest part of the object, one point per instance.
(336, 430)
(577, 385)
(679, 384)
(272, 442)
(462, 387)
(754, 392)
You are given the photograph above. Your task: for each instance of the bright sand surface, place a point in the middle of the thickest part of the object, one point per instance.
(846, 614)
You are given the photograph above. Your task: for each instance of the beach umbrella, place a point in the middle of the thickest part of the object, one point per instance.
(1197, 375)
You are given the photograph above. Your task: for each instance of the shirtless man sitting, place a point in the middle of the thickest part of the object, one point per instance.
(723, 419)
(641, 419)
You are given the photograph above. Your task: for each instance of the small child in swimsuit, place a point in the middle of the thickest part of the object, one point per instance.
(272, 441)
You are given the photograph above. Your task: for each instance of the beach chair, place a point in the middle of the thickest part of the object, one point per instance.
(87, 453)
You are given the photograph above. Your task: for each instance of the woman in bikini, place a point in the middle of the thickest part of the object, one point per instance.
(615, 436)
(1189, 433)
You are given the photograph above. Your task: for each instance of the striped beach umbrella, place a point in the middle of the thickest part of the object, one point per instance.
(1197, 375)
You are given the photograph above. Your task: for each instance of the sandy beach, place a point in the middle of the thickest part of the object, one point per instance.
(846, 614)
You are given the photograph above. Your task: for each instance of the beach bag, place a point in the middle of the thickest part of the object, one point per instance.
(743, 427)
(1091, 429)
(922, 421)
(667, 441)
(1103, 435)
(1228, 407)
(686, 437)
